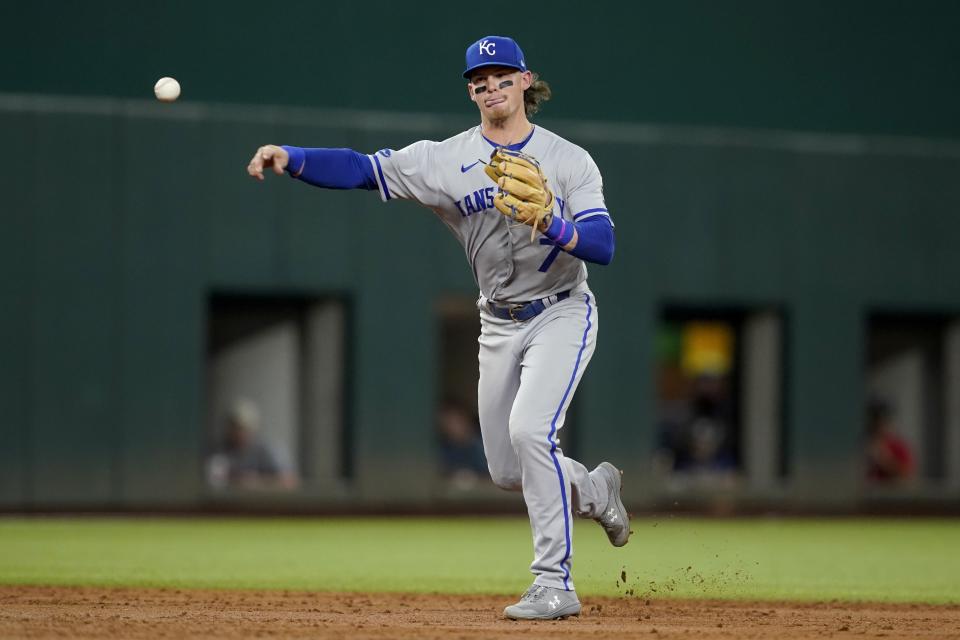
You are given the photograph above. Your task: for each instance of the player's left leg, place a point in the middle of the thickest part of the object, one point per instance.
(557, 349)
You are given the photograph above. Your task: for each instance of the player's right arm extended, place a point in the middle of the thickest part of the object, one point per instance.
(331, 168)
(403, 174)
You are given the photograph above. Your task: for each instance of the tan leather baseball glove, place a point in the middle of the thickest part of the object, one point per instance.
(523, 194)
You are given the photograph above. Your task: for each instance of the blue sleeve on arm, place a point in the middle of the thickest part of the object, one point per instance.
(331, 168)
(595, 240)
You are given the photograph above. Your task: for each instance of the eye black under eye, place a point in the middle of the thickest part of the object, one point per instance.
(480, 89)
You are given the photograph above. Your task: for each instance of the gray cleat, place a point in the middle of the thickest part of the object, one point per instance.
(615, 520)
(544, 603)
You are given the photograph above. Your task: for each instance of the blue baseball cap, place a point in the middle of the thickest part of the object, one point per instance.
(494, 50)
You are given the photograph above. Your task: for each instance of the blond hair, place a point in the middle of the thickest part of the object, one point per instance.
(538, 93)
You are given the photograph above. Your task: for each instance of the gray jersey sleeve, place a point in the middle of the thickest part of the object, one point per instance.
(408, 173)
(585, 190)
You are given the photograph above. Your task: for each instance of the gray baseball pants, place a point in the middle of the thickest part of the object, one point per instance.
(529, 372)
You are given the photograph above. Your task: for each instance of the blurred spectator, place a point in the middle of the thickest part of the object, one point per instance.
(889, 458)
(244, 460)
(695, 429)
(461, 447)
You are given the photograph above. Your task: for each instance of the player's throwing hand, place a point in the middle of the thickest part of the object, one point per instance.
(268, 156)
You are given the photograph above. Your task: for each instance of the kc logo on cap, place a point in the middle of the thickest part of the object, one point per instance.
(494, 50)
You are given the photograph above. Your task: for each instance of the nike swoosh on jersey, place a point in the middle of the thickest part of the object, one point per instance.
(465, 168)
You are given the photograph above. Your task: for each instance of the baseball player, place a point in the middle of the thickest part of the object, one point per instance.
(528, 208)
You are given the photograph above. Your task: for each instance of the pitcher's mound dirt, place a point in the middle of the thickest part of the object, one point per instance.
(60, 612)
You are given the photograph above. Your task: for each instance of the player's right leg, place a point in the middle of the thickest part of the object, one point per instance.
(499, 381)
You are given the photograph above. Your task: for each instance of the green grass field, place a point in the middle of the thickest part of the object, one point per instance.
(845, 559)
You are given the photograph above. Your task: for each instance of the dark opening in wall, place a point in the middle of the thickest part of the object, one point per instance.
(276, 380)
(719, 395)
(906, 403)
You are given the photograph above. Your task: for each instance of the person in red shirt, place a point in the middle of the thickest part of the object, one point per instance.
(889, 458)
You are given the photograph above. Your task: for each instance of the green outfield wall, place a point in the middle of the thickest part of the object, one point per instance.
(867, 66)
(799, 157)
(121, 217)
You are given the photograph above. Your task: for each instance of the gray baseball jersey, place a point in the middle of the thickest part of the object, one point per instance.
(448, 178)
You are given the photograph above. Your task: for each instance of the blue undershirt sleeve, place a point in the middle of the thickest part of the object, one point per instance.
(331, 168)
(595, 239)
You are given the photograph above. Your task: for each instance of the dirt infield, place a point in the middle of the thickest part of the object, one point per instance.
(58, 612)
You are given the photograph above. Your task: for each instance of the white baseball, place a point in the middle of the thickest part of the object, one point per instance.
(167, 89)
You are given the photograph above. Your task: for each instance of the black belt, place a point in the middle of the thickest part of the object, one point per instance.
(523, 311)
